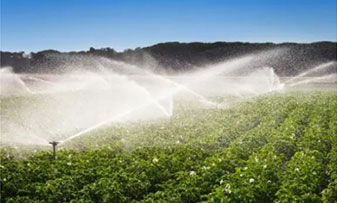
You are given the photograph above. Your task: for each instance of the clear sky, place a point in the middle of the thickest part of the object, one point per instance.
(32, 25)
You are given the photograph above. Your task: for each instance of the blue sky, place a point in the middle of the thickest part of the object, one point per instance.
(79, 24)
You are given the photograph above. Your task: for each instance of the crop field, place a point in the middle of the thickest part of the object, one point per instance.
(278, 147)
(168, 101)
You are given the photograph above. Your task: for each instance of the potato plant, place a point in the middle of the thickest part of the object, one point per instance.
(274, 148)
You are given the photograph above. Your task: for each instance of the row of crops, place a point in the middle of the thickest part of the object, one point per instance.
(276, 148)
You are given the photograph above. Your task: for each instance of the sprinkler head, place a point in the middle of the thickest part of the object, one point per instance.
(54, 143)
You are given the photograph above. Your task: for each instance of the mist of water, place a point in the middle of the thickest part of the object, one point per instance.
(8, 80)
(316, 69)
(38, 108)
(332, 78)
(316, 74)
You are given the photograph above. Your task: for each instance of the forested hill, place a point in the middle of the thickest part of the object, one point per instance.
(179, 57)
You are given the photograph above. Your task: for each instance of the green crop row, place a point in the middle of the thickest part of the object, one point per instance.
(276, 148)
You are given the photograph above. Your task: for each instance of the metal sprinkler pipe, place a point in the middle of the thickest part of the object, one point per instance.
(54, 143)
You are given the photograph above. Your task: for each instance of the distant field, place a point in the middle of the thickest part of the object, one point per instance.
(278, 147)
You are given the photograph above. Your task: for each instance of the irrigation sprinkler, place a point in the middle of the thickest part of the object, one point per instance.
(54, 143)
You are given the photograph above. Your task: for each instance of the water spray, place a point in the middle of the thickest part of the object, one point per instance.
(97, 101)
(313, 70)
(54, 143)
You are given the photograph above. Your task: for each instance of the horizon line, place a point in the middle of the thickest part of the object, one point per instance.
(167, 42)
